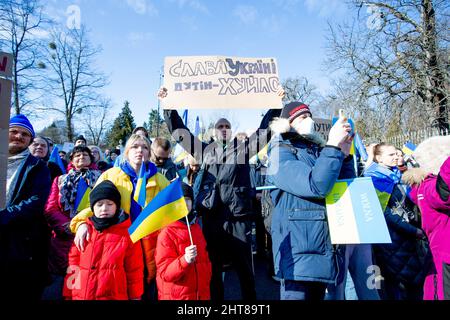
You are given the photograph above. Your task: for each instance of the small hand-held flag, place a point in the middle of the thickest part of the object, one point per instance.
(139, 192)
(408, 148)
(54, 157)
(82, 199)
(384, 185)
(166, 207)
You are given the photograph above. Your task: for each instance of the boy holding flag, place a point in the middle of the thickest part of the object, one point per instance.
(183, 269)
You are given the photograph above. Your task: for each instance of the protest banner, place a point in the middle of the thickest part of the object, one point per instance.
(221, 82)
(354, 213)
(6, 63)
(322, 127)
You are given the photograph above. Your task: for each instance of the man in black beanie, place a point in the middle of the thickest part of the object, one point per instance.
(105, 204)
(80, 141)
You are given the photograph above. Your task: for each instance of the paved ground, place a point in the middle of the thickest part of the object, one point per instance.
(266, 287)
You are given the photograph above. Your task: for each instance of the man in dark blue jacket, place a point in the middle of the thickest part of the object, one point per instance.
(304, 169)
(23, 230)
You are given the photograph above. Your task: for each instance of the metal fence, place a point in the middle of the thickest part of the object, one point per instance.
(416, 137)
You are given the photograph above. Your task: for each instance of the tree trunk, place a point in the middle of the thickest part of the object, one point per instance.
(435, 76)
(69, 128)
(16, 90)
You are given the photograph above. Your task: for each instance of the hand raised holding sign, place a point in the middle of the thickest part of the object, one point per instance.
(340, 134)
(162, 93)
(280, 91)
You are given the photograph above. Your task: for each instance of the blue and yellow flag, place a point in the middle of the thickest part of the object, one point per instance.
(82, 199)
(384, 181)
(139, 193)
(409, 148)
(359, 146)
(54, 157)
(166, 207)
(354, 213)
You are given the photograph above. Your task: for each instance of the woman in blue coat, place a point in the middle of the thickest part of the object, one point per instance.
(304, 169)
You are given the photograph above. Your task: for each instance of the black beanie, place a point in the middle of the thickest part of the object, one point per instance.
(294, 109)
(187, 191)
(104, 190)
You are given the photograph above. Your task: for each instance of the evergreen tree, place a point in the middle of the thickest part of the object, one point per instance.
(152, 126)
(122, 127)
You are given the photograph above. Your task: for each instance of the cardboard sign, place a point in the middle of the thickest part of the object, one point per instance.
(322, 127)
(221, 82)
(5, 110)
(6, 63)
(68, 146)
(354, 213)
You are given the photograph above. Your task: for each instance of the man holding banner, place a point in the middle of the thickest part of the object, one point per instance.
(304, 170)
(23, 230)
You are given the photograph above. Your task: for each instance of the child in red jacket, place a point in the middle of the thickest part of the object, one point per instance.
(111, 267)
(183, 271)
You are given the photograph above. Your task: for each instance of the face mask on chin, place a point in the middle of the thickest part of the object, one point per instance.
(305, 127)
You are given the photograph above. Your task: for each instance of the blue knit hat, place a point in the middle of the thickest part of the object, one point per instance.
(21, 121)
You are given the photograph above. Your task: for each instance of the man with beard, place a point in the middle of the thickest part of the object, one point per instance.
(23, 230)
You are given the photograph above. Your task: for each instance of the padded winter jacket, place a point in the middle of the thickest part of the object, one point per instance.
(432, 196)
(304, 173)
(400, 260)
(175, 278)
(58, 221)
(24, 234)
(110, 268)
(123, 183)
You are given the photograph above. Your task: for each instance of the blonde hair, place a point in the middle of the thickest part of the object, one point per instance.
(101, 156)
(133, 139)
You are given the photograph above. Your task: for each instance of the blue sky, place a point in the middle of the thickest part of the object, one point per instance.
(136, 35)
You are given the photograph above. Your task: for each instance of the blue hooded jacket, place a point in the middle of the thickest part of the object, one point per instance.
(304, 173)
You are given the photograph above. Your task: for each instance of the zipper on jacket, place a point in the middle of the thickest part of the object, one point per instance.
(90, 267)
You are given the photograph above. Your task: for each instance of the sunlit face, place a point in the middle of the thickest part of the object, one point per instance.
(62, 155)
(39, 148)
(223, 132)
(96, 154)
(401, 160)
(19, 140)
(138, 153)
(105, 208)
(158, 155)
(195, 167)
(81, 160)
(296, 122)
(80, 143)
(141, 133)
(388, 156)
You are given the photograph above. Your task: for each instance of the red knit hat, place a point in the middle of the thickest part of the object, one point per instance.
(294, 109)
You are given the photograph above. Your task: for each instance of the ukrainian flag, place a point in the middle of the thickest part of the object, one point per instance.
(384, 185)
(384, 189)
(82, 199)
(166, 207)
(408, 148)
(139, 192)
(54, 157)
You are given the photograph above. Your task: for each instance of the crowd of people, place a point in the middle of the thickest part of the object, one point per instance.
(53, 249)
